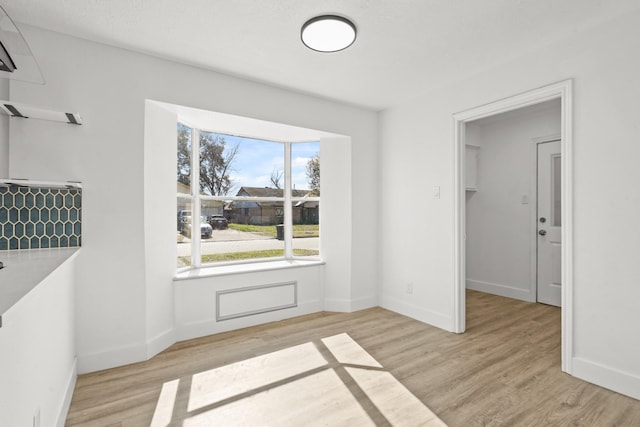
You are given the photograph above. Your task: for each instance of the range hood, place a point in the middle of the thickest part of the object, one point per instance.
(16, 60)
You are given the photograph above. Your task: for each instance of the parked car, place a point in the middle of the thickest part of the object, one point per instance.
(182, 216)
(205, 229)
(218, 222)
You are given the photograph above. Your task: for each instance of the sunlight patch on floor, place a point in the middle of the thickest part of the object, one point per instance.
(398, 405)
(164, 408)
(295, 386)
(320, 399)
(347, 351)
(228, 381)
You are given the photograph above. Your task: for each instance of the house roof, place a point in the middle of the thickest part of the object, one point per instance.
(268, 192)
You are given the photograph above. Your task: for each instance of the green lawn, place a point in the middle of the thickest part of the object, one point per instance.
(234, 256)
(299, 230)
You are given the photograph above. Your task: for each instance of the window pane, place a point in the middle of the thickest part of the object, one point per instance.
(217, 156)
(250, 168)
(305, 176)
(557, 193)
(231, 164)
(184, 159)
(305, 167)
(184, 231)
(306, 229)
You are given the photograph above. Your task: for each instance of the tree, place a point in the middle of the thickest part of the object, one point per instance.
(276, 178)
(313, 174)
(184, 154)
(215, 162)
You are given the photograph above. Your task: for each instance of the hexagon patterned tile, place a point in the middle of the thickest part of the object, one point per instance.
(37, 217)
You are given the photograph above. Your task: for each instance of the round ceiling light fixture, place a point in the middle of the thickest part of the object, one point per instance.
(328, 33)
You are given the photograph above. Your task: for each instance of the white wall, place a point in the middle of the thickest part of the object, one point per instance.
(195, 299)
(498, 223)
(416, 153)
(4, 132)
(121, 315)
(37, 344)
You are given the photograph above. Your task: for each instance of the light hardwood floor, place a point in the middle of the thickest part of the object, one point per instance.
(372, 367)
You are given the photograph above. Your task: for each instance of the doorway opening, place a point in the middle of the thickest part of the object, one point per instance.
(508, 250)
(561, 92)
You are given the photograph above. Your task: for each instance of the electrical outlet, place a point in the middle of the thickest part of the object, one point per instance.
(436, 192)
(410, 287)
(36, 418)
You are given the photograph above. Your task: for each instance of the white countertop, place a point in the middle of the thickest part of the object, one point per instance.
(24, 269)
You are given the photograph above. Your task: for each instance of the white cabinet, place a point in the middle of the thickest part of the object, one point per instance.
(471, 167)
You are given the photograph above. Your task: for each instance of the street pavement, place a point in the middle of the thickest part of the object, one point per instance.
(229, 240)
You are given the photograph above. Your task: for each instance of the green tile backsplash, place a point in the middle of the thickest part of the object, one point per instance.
(38, 217)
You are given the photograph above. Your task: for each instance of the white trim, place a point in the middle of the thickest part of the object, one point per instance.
(337, 305)
(267, 264)
(68, 394)
(350, 305)
(288, 208)
(255, 311)
(562, 90)
(160, 342)
(502, 290)
(196, 209)
(430, 317)
(107, 359)
(364, 303)
(607, 377)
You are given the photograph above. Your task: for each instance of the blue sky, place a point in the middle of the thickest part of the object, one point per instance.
(256, 160)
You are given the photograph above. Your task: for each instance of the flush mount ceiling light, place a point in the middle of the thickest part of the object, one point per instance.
(328, 33)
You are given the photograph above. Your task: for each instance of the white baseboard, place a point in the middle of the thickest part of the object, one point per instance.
(430, 317)
(112, 358)
(364, 303)
(501, 290)
(211, 326)
(68, 394)
(337, 305)
(349, 305)
(607, 377)
(138, 353)
(160, 342)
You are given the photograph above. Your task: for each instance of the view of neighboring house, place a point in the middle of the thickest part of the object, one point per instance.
(272, 212)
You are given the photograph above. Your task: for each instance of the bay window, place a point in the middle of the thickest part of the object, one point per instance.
(242, 199)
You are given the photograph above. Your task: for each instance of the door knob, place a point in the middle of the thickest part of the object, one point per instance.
(542, 232)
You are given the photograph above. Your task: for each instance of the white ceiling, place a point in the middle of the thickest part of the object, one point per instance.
(404, 47)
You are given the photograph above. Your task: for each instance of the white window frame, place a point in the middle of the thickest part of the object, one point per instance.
(196, 207)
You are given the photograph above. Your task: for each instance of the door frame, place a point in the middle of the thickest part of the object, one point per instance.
(533, 208)
(564, 91)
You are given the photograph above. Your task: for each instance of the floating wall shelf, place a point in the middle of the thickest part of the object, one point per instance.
(7, 182)
(24, 111)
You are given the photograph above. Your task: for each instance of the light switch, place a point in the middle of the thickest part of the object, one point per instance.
(436, 192)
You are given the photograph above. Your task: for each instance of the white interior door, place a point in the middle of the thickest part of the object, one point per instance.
(549, 222)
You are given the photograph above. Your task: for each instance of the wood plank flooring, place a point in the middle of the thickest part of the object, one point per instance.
(378, 368)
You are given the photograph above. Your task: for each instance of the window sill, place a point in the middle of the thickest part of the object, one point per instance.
(225, 270)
